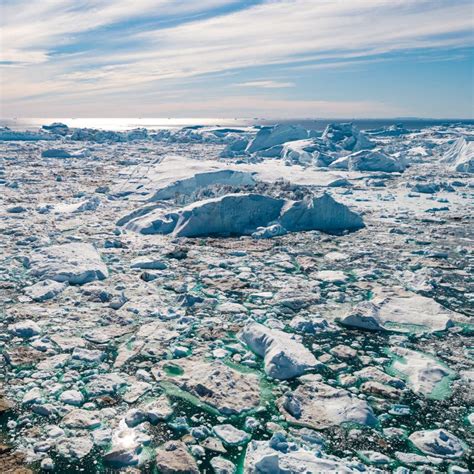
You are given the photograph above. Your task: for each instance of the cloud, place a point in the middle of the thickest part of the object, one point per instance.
(50, 50)
(266, 84)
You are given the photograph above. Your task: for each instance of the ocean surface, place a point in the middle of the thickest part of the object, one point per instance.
(121, 124)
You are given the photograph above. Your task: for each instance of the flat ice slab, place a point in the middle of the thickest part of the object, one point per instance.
(75, 263)
(401, 311)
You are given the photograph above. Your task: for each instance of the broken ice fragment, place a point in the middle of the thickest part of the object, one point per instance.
(424, 374)
(317, 405)
(438, 442)
(284, 357)
(75, 263)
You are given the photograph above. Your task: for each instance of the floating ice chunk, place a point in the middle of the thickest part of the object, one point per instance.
(367, 160)
(157, 410)
(173, 458)
(75, 263)
(317, 405)
(424, 374)
(56, 127)
(439, 443)
(231, 435)
(222, 465)
(261, 457)
(74, 447)
(460, 157)
(426, 188)
(331, 276)
(25, 329)
(269, 232)
(203, 180)
(284, 357)
(35, 395)
(268, 137)
(87, 355)
(82, 419)
(148, 263)
(72, 397)
(394, 310)
(55, 153)
(214, 383)
(45, 290)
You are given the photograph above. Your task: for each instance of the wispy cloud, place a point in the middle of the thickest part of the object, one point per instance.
(266, 84)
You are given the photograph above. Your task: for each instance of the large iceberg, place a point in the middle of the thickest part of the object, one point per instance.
(367, 160)
(322, 213)
(243, 214)
(313, 151)
(233, 214)
(346, 136)
(460, 156)
(268, 137)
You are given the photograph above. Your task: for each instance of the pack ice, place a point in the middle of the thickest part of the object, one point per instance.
(135, 338)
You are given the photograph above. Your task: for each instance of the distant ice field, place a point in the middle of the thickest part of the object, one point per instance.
(121, 124)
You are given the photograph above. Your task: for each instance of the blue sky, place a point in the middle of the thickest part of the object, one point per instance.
(237, 58)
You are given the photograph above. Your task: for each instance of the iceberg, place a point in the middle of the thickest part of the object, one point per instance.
(346, 136)
(261, 458)
(367, 160)
(57, 128)
(244, 214)
(321, 213)
(268, 137)
(460, 156)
